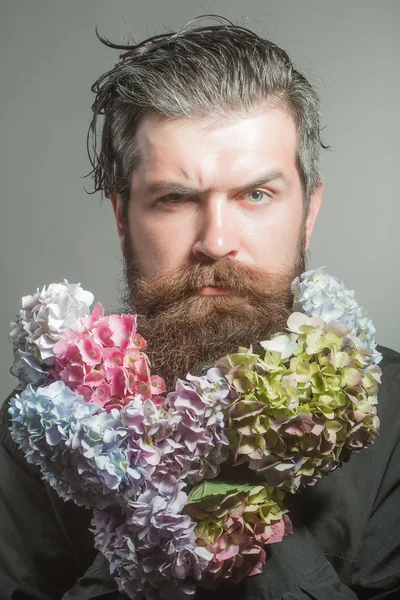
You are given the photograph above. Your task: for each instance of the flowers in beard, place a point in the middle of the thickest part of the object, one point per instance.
(169, 477)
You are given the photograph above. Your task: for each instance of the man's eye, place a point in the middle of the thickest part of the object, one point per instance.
(257, 196)
(172, 199)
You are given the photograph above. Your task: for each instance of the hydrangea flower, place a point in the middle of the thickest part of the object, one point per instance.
(105, 361)
(79, 448)
(197, 445)
(44, 317)
(152, 546)
(40, 426)
(234, 525)
(318, 294)
(304, 406)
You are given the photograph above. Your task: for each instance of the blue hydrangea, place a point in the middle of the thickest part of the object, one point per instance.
(77, 446)
(318, 294)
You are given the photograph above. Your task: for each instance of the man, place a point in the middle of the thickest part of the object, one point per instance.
(209, 153)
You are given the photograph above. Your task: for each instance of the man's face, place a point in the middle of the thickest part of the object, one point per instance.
(215, 219)
(207, 190)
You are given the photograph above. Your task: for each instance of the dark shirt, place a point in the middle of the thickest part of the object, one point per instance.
(346, 541)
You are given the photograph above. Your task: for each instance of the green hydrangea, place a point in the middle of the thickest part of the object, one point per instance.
(304, 405)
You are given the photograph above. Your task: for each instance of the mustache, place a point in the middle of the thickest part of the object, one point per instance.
(250, 282)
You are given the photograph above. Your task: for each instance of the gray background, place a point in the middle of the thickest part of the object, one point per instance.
(50, 229)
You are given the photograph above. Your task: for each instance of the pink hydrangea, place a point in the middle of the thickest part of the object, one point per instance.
(105, 361)
(236, 554)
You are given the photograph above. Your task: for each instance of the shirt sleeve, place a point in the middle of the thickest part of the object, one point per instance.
(45, 544)
(96, 583)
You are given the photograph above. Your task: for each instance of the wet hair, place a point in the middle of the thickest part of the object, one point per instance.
(198, 72)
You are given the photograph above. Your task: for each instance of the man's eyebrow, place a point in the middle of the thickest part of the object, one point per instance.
(170, 187)
(271, 175)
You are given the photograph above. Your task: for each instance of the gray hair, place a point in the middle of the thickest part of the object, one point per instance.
(197, 72)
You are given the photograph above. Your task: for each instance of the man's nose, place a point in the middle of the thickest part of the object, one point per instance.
(218, 234)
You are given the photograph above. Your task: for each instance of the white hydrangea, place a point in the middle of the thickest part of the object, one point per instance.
(42, 320)
(318, 294)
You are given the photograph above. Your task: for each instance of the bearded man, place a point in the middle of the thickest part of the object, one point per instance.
(209, 152)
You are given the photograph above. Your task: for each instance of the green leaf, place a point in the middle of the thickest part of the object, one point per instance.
(213, 487)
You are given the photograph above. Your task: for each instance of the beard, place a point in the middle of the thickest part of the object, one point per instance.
(187, 332)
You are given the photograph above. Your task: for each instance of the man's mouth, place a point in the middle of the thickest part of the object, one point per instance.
(214, 291)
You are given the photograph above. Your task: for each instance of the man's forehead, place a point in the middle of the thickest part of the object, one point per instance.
(203, 149)
(153, 131)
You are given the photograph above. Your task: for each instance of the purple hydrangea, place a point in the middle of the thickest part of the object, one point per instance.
(151, 544)
(197, 445)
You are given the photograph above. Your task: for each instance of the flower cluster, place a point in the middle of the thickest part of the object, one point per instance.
(234, 522)
(42, 320)
(79, 448)
(197, 406)
(105, 362)
(185, 445)
(318, 294)
(163, 541)
(163, 474)
(303, 406)
(105, 457)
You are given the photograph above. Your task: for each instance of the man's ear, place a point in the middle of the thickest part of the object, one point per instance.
(312, 213)
(117, 207)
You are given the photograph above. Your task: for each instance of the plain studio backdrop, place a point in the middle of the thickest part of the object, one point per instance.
(50, 229)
